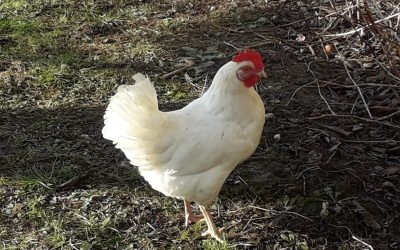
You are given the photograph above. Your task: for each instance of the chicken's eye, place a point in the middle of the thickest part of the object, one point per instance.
(247, 69)
(245, 73)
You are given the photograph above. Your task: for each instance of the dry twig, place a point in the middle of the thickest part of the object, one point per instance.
(359, 91)
(284, 212)
(355, 117)
(319, 89)
(190, 64)
(360, 29)
(298, 89)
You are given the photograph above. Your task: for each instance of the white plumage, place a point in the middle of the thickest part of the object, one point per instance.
(187, 153)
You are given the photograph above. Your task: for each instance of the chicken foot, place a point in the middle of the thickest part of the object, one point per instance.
(212, 230)
(189, 216)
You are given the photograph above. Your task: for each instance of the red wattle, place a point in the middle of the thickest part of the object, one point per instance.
(251, 81)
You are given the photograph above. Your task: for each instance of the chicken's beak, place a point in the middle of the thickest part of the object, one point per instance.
(262, 74)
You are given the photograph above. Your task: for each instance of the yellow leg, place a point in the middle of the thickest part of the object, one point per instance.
(213, 231)
(189, 216)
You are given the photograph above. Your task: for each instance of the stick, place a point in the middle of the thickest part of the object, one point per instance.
(319, 90)
(359, 90)
(357, 239)
(373, 142)
(388, 116)
(362, 28)
(323, 98)
(148, 224)
(294, 93)
(168, 75)
(228, 29)
(360, 85)
(362, 242)
(354, 117)
(231, 45)
(258, 44)
(298, 21)
(285, 212)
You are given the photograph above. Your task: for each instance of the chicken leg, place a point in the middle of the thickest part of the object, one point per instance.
(189, 216)
(212, 230)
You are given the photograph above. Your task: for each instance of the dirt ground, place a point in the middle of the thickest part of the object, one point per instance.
(326, 173)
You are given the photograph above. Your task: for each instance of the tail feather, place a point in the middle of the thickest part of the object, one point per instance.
(132, 118)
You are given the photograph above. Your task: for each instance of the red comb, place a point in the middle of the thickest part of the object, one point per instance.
(250, 55)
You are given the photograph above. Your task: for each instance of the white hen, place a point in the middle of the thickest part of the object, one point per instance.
(188, 153)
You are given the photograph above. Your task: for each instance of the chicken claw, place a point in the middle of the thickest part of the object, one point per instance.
(212, 229)
(189, 216)
(217, 234)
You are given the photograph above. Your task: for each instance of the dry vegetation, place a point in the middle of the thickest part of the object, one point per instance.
(326, 174)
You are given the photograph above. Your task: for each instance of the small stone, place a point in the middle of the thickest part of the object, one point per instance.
(356, 128)
(277, 137)
(328, 49)
(368, 65)
(108, 40)
(269, 116)
(262, 20)
(85, 136)
(53, 201)
(300, 3)
(324, 213)
(388, 185)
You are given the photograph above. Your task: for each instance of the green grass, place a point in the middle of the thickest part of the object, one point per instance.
(49, 43)
(86, 218)
(19, 26)
(54, 227)
(13, 5)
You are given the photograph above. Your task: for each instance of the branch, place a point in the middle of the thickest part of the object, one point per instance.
(359, 90)
(362, 28)
(354, 117)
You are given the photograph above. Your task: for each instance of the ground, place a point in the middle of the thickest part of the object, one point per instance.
(326, 173)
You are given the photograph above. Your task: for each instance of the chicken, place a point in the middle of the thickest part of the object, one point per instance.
(189, 153)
